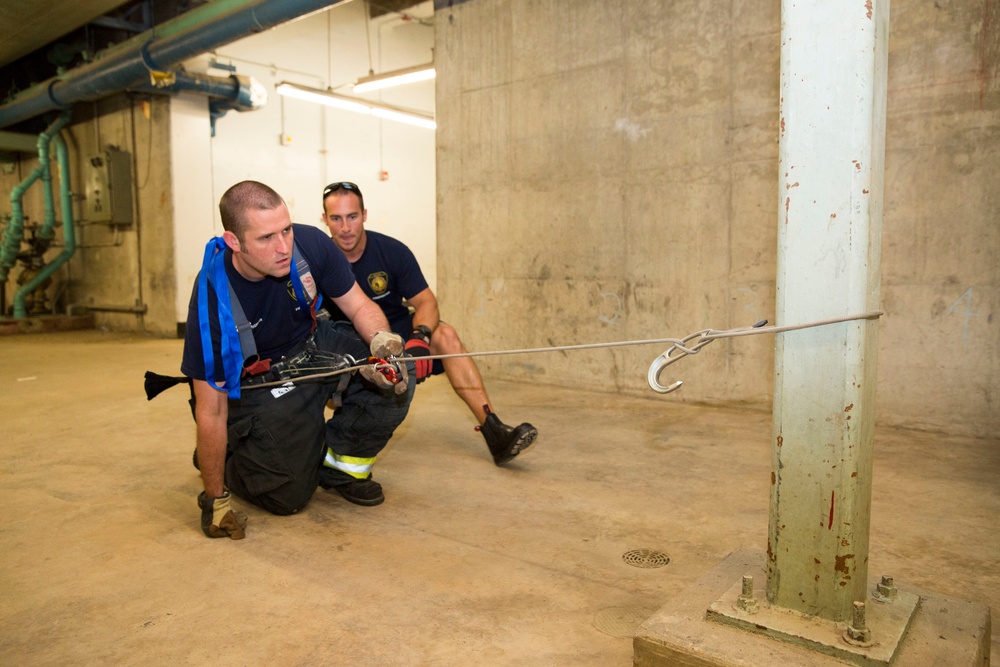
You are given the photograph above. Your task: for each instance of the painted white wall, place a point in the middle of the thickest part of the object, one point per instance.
(298, 147)
(192, 194)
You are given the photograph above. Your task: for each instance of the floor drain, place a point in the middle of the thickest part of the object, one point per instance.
(645, 558)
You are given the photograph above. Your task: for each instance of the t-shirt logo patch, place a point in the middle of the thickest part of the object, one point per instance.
(379, 282)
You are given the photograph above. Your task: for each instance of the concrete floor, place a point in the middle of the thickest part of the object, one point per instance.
(464, 564)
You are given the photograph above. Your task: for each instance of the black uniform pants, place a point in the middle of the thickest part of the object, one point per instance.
(278, 436)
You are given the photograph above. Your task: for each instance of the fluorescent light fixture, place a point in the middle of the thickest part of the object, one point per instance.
(395, 78)
(346, 103)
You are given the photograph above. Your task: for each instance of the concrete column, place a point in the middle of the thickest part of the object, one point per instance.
(832, 147)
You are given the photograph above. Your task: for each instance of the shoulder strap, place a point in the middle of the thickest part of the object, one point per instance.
(213, 271)
(303, 284)
(243, 328)
(238, 347)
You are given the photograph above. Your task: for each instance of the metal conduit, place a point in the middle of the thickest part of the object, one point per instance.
(130, 63)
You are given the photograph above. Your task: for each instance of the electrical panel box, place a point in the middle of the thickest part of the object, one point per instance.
(108, 196)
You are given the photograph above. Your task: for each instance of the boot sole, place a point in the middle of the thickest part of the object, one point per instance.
(365, 502)
(524, 441)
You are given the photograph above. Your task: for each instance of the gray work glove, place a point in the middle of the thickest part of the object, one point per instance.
(386, 344)
(219, 519)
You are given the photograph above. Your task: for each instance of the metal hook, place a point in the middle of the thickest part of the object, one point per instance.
(665, 359)
(653, 377)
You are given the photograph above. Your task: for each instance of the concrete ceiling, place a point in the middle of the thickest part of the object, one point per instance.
(28, 25)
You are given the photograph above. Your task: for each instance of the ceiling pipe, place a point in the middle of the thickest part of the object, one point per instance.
(242, 92)
(17, 142)
(133, 62)
(234, 92)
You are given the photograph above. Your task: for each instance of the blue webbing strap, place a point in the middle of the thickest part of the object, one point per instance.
(213, 270)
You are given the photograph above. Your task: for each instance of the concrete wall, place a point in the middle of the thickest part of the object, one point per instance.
(608, 171)
(116, 268)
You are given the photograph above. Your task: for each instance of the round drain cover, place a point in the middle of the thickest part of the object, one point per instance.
(645, 558)
(620, 621)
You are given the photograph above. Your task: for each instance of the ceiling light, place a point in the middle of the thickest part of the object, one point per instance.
(395, 78)
(346, 103)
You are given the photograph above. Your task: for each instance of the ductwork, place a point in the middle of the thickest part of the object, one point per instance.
(133, 62)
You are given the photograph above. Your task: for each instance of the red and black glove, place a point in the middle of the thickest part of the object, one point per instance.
(419, 346)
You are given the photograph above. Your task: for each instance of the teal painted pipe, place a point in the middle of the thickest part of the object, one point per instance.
(14, 231)
(48, 222)
(69, 233)
(47, 230)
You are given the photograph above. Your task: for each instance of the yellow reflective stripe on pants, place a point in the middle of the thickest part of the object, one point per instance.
(352, 465)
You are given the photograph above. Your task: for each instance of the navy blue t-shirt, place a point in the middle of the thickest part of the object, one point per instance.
(388, 273)
(279, 322)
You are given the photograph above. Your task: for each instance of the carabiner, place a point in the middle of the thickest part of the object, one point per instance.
(387, 368)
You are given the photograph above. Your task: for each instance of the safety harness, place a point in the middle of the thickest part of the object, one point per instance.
(238, 348)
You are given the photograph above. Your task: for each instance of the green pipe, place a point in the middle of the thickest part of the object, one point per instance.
(15, 141)
(69, 234)
(47, 231)
(48, 222)
(14, 231)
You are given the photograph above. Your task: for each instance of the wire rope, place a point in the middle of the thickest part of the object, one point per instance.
(681, 345)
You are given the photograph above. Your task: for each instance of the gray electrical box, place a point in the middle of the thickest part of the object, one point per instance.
(109, 188)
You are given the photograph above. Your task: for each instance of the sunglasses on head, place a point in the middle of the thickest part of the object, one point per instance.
(342, 185)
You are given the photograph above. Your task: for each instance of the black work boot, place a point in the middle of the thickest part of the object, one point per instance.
(505, 442)
(365, 492)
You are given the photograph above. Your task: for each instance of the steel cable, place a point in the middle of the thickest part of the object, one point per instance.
(704, 337)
